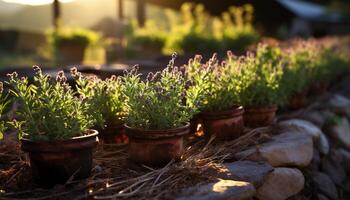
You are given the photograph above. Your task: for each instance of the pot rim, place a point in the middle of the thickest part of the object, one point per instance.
(234, 112)
(79, 142)
(157, 134)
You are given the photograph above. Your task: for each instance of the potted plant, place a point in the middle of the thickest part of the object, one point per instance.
(158, 115)
(297, 74)
(215, 91)
(3, 104)
(69, 44)
(53, 127)
(260, 91)
(106, 101)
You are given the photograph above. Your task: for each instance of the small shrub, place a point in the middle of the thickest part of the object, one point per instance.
(104, 97)
(260, 75)
(213, 85)
(48, 109)
(158, 102)
(3, 104)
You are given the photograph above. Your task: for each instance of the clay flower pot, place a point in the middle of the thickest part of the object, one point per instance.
(54, 162)
(258, 116)
(71, 53)
(156, 147)
(297, 100)
(113, 134)
(319, 88)
(225, 125)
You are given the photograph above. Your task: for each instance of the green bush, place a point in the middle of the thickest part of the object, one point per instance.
(213, 85)
(105, 98)
(158, 102)
(260, 75)
(48, 110)
(195, 31)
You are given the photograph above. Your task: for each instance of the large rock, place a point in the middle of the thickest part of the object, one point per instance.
(343, 156)
(341, 133)
(309, 128)
(340, 104)
(281, 184)
(222, 189)
(325, 185)
(249, 171)
(287, 149)
(323, 144)
(314, 117)
(302, 126)
(333, 168)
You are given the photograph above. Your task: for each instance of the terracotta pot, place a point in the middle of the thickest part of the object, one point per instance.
(71, 53)
(54, 162)
(113, 134)
(225, 125)
(156, 147)
(297, 100)
(318, 88)
(258, 116)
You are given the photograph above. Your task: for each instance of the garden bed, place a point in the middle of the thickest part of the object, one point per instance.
(115, 177)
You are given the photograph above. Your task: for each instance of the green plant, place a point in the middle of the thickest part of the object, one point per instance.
(48, 109)
(260, 75)
(70, 36)
(3, 104)
(158, 102)
(104, 97)
(213, 85)
(237, 32)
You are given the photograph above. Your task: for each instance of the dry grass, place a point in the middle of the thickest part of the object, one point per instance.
(114, 176)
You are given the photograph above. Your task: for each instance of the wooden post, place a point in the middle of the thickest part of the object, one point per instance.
(141, 12)
(120, 4)
(56, 13)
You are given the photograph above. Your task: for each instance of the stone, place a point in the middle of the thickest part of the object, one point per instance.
(286, 149)
(341, 133)
(314, 117)
(222, 189)
(281, 184)
(307, 127)
(322, 197)
(343, 156)
(334, 170)
(323, 144)
(316, 160)
(340, 104)
(252, 172)
(325, 185)
(302, 126)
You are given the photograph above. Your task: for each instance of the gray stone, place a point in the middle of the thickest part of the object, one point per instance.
(340, 104)
(343, 156)
(341, 133)
(222, 189)
(316, 160)
(307, 127)
(322, 197)
(325, 184)
(334, 170)
(323, 144)
(253, 172)
(314, 117)
(287, 149)
(302, 126)
(281, 184)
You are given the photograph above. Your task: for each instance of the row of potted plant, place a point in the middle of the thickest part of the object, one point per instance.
(55, 120)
